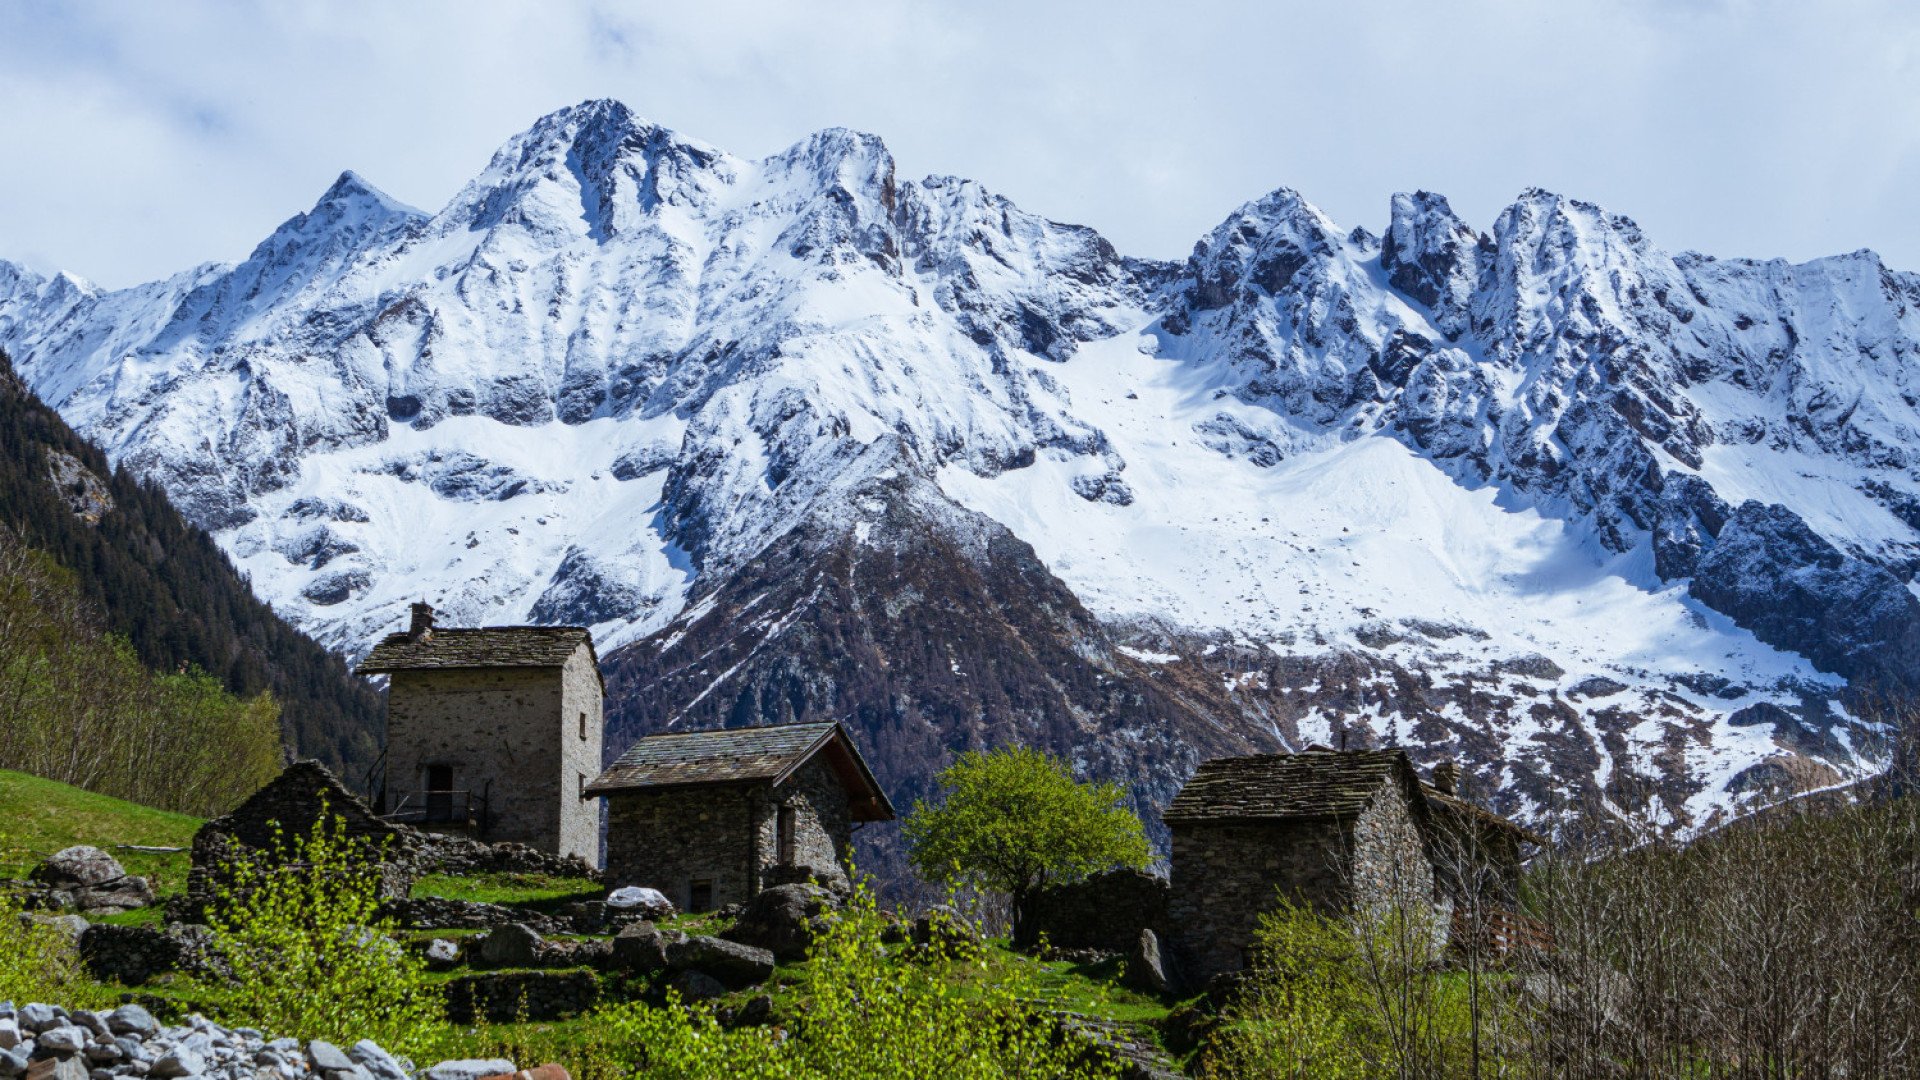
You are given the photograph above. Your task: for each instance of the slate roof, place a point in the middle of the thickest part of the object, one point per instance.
(744, 755)
(478, 647)
(1273, 786)
(1445, 804)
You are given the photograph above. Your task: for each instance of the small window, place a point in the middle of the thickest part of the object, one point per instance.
(783, 834)
(583, 725)
(700, 895)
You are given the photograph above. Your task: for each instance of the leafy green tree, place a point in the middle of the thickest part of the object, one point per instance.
(1014, 821)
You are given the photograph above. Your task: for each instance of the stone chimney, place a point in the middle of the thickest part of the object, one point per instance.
(422, 627)
(1446, 778)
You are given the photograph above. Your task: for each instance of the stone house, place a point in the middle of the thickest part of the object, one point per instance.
(1334, 830)
(493, 732)
(710, 818)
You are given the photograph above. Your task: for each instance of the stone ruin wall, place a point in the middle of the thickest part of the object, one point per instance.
(1106, 911)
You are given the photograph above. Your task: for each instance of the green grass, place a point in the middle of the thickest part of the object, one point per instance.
(39, 817)
(534, 891)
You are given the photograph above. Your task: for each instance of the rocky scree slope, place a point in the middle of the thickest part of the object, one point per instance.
(799, 437)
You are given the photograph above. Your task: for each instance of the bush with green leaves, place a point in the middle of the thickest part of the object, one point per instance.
(38, 962)
(1303, 1010)
(299, 928)
(1360, 997)
(864, 1010)
(1014, 821)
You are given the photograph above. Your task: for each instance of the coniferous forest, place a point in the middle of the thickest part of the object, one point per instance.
(162, 584)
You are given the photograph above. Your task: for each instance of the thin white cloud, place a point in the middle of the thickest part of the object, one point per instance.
(142, 139)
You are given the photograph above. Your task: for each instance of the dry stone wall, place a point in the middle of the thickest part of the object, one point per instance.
(1106, 911)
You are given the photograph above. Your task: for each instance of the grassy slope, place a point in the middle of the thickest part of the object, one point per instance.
(39, 817)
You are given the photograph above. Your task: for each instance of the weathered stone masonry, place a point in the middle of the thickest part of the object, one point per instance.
(507, 719)
(710, 818)
(1333, 831)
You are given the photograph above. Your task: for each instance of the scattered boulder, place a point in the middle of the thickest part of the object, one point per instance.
(91, 880)
(757, 1012)
(442, 954)
(65, 1039)
(468, 1069)
(942, 925)
(376, 1062)
(642, 947)
(636, 901)
(696, 986)
(327, 1057)
(180, 1061)
(784, 920)
(132, 1020)
(71, 925)
(64, 1067)
(732, 963)
(1147, 966)
(36, 1017)
(513, 945)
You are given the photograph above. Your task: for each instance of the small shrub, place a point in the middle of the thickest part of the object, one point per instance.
(1014, 821)
(38, 962)
(310, 956)
(1305, 1010)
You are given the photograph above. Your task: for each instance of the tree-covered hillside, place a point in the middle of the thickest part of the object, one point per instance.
(163, 584)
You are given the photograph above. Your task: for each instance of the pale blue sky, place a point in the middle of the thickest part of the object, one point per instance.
(141, 138)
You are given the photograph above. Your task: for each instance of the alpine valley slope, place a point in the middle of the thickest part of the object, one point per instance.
(799, 438)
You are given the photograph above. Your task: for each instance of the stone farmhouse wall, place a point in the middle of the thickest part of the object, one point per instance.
(1391, 869)
(1106, 911)
(516, 735)
(1225, 874)
(668, 838)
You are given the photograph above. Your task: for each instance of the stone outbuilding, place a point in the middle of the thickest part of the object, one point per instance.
(273, 820)
(712, 817)
(493, 732)
(1333, 830)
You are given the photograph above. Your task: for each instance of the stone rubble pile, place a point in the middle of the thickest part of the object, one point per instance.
(85, 879)
(47, 1042)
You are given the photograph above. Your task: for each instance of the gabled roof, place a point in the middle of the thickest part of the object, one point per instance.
(293, 801)
(745, 756)
(449, 648)
(1450, 806)
(1267, 787)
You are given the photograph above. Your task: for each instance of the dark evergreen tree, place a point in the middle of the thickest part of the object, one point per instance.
(166, 586)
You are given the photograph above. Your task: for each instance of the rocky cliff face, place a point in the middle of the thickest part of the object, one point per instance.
(801, 438)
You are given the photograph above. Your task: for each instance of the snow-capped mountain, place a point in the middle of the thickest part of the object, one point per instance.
(798, 437)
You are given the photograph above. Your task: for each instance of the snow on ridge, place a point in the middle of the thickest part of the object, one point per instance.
(619, 362)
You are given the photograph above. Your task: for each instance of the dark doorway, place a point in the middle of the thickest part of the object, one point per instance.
(783, 835)
(700, 895)
(439, 793)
